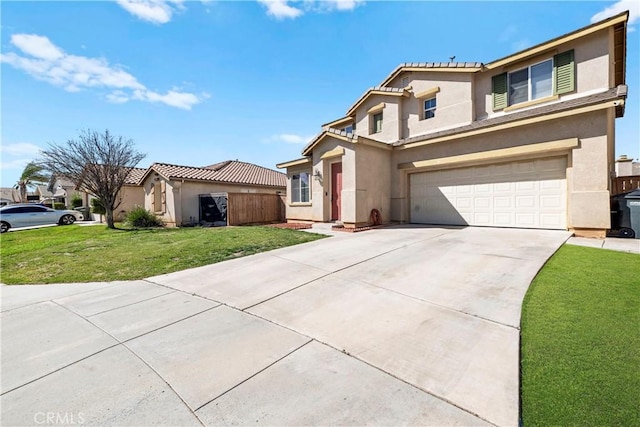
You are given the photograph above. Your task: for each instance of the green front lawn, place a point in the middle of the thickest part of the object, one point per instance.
(581, 340)
(95, 253)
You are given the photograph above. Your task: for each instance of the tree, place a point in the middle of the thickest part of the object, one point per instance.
(99, 163)
(32, 174)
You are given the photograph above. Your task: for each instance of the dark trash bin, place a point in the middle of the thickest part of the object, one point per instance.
(85, 211)
(633, 204)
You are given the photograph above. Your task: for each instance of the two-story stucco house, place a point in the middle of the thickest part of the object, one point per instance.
(524, 141)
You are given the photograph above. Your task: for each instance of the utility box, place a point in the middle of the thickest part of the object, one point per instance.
(213, 209)
(633, 203)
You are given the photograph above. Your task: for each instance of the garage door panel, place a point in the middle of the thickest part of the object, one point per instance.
(529, 194)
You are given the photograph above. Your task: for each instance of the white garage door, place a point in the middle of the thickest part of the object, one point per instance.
(526, 194)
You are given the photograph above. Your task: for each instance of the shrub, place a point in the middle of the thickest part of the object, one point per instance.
(76, 200)
(139, 217)
(59, 206)
(97, 207)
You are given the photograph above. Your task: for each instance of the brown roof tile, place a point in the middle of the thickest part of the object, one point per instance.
(231, 171)
(135, 174)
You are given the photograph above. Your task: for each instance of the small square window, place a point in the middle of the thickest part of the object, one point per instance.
(348, 129)
(376, 123)
(429, 108)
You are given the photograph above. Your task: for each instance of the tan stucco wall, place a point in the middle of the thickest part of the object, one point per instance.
(130, 196)
(373, 183)
(587, 171)
(454, 101)
(592, 70)
(300, 211)
(390, 118)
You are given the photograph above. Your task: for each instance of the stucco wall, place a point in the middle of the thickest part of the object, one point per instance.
(373, 183)
(454, 101)
(130, 196)
(390, 118)
(587, 172)
(300, 211)
(592, 70)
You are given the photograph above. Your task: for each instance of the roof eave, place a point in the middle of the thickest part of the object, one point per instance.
(292, 163)
(550, 44)
(403, 69)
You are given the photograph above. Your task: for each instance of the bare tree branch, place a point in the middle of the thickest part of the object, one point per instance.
(99, 163)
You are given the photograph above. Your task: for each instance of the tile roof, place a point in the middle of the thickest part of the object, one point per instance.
(393, 90)
(609, 95)
(231, 171)
(426, 65)
(134, 176)
(333, 131)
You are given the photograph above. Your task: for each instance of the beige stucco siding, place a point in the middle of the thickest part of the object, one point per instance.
(454, 103)
(592, 60)
(130, 197)
(300, 211)
(587, 170)
(373, 183)
(391, 124)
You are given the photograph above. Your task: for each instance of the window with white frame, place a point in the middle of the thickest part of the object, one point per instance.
(376, 122)
(429, 108)
(348, 129)
(300, 188)
(530, 83)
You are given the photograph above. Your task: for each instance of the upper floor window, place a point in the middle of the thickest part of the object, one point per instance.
(348, 129)
(554, 76)
(300, 188)
(533, 82)
(376, 122)
(429, 108)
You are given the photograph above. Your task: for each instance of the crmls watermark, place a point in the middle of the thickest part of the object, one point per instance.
(59, 418)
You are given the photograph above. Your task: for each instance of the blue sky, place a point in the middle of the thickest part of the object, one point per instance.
(198, 82)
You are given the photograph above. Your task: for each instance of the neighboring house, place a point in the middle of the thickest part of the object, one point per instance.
(61, 189)
(9, 196)
(129, 196)
(627, 167)
(44, 195)
(173, 192)
(524, 141)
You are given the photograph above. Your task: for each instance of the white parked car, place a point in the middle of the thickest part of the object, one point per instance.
(29, 214)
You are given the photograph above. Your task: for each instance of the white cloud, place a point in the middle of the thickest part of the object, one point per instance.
(633, 6)
(289, 138)
(37, 46)
(341, 4)
(284, 9)
(155, 11)
(280, 9)
(173, 98)
(19, 148)
(17, 164)
(47, 62)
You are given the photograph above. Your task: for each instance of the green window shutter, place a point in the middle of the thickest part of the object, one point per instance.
(499, 89)
(565, 68)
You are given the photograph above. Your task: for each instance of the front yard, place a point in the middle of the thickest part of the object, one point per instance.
(94, 253)
(581, 340)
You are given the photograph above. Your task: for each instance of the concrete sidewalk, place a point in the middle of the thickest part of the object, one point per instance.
(400, 325)
(611, 243)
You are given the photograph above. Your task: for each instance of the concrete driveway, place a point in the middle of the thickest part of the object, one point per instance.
(395, 326)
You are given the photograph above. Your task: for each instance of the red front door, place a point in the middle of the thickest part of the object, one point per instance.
(336, 190)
